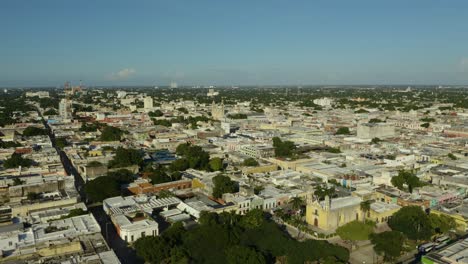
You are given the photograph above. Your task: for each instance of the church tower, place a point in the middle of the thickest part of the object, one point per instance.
(217, 112)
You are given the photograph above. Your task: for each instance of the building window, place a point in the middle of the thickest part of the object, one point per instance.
(142, 234)
(126, 239)
(131, 238)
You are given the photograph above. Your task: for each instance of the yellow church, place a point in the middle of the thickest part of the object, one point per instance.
(330, 214)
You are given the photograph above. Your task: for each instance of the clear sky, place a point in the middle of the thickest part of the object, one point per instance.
(233, 42)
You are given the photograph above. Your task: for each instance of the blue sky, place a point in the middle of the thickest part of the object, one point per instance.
(237, 42)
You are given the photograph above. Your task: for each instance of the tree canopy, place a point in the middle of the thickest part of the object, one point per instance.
(408, 178)
(441, 223)
(102, 188)
(283, 149)
(232, 238)
(194, 157)
(343, 131)
(17, 160)
(413, 222)
(388, 243)
(321, 192)
(110, 133)
(31, 131)
(223, 184)
(126, 157)
(216, 164)
(250, 162)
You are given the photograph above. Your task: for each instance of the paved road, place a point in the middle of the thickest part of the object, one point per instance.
(125, 253)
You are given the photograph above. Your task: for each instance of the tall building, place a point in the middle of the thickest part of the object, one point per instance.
(173, 85)
(148, 102)
(217, 112)
(65, 109)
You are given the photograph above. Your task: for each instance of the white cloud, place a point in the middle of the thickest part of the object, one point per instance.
(122, 74)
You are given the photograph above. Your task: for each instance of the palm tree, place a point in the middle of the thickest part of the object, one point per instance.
(297, 203)
(299, 224)
(279, 213)
(365, 208)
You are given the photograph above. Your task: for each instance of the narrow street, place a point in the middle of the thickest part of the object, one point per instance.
(125, 253)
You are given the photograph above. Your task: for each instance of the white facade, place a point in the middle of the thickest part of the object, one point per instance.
(130, 231)
(65, 108)
(148, 102)
(323, 101)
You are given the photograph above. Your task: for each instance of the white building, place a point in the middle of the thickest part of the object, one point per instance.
(40, 94)
(65, 110)
(148, 102)
(131, 229)
(211, 93)
(131, 215)
(323, 102)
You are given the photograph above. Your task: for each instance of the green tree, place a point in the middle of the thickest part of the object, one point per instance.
(425, 125)
(223, 184)
(180, 165)
(9, 144)
(253, 219)
(126, 157)
(376, 140)
(156, 113)
(75, 212)
(321, 192)
(153, 249)
(93, 127)
(343, 131)
(452, 157)
(365, 208)
(17, 181)
(389, 244)
(413, 222)
(101, 188)
(375, 120)
(297, 203)
(244, 255)
(283, 149)
(197, 158)
(122, 176)
(165, 194)
(441, 223)
(110, 133)
(183, 110)
(408, 178)
(216, 164)
(31, 131)
(17, 160)
(51, 112)
(361, 111)
(250, 162)
(61, 142)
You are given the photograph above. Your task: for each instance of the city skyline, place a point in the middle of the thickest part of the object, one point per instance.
(241, 43)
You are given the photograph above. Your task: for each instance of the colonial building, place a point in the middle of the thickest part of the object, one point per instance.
(332, 213)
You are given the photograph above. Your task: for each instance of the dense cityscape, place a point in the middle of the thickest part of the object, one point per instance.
(311, 174)
(233, 132)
